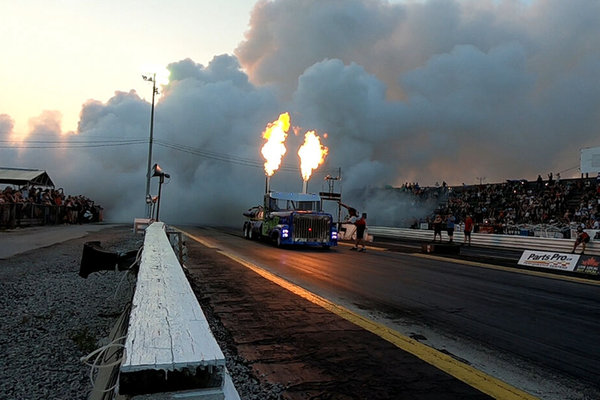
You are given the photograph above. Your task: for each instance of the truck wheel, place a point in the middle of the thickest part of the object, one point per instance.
(245, 231)
(278, 240)
(250, 232)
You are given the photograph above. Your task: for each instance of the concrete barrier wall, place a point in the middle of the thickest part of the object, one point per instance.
(169, 341)
(492, 240)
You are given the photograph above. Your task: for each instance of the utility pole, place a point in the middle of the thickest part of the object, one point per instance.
(148, 198)
(331, 195)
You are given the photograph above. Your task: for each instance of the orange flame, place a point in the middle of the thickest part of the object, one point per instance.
(273, 150)
(312, 154)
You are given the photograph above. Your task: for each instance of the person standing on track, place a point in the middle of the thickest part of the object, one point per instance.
(450, 222)
(437, 227)
(582, 239)
(350, 222)
(361, 225)
(468, 229)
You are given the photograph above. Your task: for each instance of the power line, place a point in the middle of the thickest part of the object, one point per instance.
(32, 136)
(569, 169)
(222, 157)
(75, 144)
(206, 153)
(59, 145)
(227, 157)
(74, 141)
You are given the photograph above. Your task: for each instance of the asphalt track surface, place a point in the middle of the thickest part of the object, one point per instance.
(551, 322)
(313, 353)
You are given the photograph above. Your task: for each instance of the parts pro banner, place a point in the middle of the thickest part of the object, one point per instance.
(543, 259)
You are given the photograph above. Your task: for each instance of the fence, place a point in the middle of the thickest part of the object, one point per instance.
(13, 215)
(491, 240)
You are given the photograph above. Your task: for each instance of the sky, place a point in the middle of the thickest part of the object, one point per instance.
(461, 91)
(59, 53)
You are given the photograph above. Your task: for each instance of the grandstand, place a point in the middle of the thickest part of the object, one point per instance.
(541, 208)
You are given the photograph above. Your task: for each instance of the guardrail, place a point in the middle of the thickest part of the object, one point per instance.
(490, 239)
(170, 350)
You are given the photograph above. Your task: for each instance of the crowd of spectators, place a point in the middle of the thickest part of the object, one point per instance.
(564, 204)
(35, 206)
(424, 192)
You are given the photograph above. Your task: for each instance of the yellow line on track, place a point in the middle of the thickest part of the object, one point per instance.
(366, 246)
(203, 242)
(469, 375)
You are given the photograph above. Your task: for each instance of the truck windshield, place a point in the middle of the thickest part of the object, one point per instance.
(305, 205)
(275, 204)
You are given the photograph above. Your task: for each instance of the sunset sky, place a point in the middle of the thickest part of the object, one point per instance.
(56, 54)
(461, 91)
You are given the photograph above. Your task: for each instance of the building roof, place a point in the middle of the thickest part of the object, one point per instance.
(20, 176)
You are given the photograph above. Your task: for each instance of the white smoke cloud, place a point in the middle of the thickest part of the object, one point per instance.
(48, 123)
(412, 92)
(437, 90)
(6, 125)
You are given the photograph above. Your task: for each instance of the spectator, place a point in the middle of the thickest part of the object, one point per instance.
(437, 227)
(450, 222)
(9, 217)
(468, 229)
(30, 205)
(582, 239)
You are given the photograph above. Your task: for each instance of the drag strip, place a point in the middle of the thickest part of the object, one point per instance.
(518, 316)
(477, 379)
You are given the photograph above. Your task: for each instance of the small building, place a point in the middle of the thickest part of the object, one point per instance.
(24, 177)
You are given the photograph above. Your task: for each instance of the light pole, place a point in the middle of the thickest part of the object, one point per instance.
(148, 198)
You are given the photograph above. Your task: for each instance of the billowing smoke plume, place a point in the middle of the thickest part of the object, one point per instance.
(6, 125)
(419, 92)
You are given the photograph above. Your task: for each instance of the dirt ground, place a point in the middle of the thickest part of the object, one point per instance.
(50, 316)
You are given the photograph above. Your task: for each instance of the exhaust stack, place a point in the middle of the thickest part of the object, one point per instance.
(267, 184)
(304, 186)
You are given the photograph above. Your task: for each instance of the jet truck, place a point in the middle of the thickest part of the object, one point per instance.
(291, 219)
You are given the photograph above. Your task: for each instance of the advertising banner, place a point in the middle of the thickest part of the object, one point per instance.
(544, 259)
(588, 265)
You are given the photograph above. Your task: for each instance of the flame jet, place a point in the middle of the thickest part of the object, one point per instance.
(274, 149)
(312, 154)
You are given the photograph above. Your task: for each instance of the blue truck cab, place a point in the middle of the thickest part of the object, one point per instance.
(291, 219)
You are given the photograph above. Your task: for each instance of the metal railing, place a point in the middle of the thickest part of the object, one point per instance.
(491, 240)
